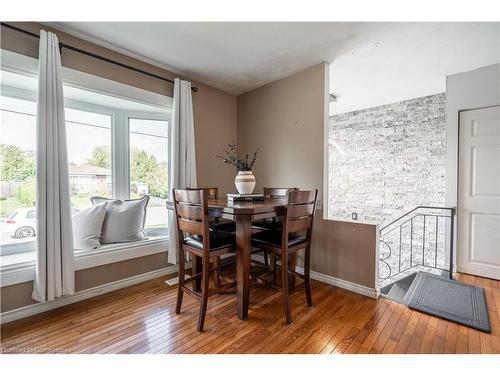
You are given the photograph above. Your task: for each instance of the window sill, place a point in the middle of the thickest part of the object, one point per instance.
(19, 268)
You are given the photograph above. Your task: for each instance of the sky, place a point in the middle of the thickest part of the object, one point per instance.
(19, 130)
(85, 131)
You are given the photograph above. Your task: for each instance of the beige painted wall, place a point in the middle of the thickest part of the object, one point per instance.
(286, 119)
(215, 127)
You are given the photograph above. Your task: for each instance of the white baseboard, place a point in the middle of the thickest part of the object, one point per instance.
(327, 279)
(344, 284)
(37, 308)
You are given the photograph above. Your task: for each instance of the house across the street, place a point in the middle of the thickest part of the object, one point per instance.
(89, 179)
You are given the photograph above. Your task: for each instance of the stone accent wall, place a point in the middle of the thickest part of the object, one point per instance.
(386, 160)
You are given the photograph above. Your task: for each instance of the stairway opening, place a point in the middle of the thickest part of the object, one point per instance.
(399, 291)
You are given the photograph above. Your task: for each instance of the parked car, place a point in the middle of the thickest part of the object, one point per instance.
(21, 223)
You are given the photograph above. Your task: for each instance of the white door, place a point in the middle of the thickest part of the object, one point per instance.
(478, 247)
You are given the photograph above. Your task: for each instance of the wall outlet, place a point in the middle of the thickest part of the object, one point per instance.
(354, 216)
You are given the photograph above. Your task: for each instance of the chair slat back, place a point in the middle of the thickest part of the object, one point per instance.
(277, 193)
(212, 192)
(191, 211)
(299, 211)
(298, 225)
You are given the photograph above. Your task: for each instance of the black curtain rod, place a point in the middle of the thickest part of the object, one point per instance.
(67, 46)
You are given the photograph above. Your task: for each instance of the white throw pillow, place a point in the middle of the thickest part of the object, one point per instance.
(87, 227)
(124, 221)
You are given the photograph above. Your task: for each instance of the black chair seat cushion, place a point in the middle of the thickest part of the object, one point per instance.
(223, 225)
(218, 240)
(267, 224)
(273, 238)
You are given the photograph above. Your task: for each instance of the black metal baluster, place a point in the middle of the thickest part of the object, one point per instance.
(451, 241)
(423, 241)
(398, 224)
(435, 255)
(411, 242)
(400, 248)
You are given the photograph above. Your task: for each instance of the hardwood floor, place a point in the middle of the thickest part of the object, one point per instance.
(141, 319)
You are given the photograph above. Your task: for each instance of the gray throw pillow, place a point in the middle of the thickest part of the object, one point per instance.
(124, 221)
(87, 227)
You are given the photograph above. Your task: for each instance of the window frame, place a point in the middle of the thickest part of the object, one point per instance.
(120, 134)
(120, 140)
(22, 271)
(142, 115)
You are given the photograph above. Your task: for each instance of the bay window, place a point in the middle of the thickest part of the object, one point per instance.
(117, 148)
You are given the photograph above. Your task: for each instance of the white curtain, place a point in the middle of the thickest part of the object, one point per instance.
(55, 261)
(182, 171)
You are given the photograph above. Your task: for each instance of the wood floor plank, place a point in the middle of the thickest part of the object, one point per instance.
(368, 334)
(430, 333)
(319, 339)
(384, 336)
(450, 344)
(348, 325)
(463, 340)
(322, 328)
(407, 335)
(474, 342)
(418, 335)
(330, 312)
(142, 319)
(440, 337)
(288, 334)
(397, 332)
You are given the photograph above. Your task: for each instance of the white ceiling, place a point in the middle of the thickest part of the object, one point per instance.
(410, 61)
(238, 57)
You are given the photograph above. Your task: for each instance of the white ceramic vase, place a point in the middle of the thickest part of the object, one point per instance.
(245, 182)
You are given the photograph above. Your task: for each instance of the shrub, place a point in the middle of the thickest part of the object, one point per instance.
(26, 193)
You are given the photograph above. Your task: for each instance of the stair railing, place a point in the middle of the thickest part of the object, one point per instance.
(418, 235)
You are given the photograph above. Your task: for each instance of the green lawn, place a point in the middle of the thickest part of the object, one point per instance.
(8, 205)
(78, 201)
(153, 202)
(81, 201)
(157, 226)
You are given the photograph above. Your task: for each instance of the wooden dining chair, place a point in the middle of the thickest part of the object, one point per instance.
(196, 238)
(294, 235)
(216, 223)
(274, 222)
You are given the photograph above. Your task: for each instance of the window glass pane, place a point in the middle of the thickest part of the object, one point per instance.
(17, 175)
(89, 156)
(149, 170)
